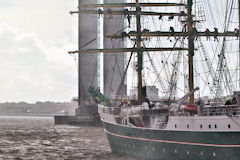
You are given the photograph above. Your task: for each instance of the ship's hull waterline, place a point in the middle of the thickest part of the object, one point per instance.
(167, 145)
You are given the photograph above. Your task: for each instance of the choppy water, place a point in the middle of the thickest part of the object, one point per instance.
(37, 138)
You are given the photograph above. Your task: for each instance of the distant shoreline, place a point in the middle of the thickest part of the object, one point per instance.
(32, 114)
(47, 109)
(29, 115)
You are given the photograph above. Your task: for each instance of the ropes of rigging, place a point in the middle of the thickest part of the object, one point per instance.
(224, 68)
(164, 66)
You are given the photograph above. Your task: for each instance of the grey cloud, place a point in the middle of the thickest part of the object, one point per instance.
(30, 70)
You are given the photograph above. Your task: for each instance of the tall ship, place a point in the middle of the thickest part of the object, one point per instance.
(193, 66)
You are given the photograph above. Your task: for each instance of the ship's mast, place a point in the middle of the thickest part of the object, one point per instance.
(190, 49)
(139, 52)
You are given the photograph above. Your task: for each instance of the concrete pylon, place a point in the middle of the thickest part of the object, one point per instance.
(113, 62)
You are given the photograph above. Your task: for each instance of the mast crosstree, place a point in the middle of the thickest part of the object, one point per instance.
(137, 4)
(129, 13)
(166, 34)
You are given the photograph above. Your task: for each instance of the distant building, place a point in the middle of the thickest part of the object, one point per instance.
(152, 93)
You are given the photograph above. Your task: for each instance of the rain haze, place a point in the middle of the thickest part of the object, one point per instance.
(35, 37)
(35, 67)
(39, 119)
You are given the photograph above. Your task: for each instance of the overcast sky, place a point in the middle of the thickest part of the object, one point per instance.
(35, 37)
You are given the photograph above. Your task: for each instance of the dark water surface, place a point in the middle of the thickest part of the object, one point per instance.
(37, 138)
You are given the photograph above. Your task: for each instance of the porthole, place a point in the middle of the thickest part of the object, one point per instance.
(214, 154)
(188, 126)
(215, 126)
(175, 126)
(209, 126)
(229, 126)
(200, 125)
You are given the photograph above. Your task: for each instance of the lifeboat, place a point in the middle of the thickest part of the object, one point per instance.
(191, 108)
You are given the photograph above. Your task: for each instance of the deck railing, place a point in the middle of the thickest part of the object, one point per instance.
(229, 110)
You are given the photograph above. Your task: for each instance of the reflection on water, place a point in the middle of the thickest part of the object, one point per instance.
(38, 138)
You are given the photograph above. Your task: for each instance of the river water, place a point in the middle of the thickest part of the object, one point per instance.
(37, 138)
